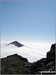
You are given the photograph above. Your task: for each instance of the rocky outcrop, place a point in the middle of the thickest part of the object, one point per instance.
(15, 64)
(45, 64)
(16, 44)
(50, 60)
(51, 53)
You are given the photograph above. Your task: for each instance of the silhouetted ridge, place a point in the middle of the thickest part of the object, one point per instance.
(17, 44)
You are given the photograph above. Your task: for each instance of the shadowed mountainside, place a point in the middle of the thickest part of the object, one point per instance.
(16, 44)
(15, 64)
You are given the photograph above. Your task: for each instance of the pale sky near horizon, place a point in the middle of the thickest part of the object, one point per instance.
(28, 20)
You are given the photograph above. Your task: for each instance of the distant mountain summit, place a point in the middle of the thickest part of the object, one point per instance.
(16, 44)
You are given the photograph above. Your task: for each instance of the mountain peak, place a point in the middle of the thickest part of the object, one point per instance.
(16, 43)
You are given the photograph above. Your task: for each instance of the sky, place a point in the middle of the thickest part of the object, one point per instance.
(28, 20)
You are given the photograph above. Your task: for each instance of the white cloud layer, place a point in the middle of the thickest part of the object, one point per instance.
(32, 51)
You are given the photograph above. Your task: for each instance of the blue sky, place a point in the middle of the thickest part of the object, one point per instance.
(28, 20)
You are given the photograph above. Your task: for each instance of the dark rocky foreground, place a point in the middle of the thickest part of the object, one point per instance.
(15, 64)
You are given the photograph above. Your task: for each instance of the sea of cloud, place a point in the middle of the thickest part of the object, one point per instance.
(33, 51)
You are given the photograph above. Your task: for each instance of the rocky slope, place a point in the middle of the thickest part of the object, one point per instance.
(13, 64)
(16, 64)
(45, 64)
